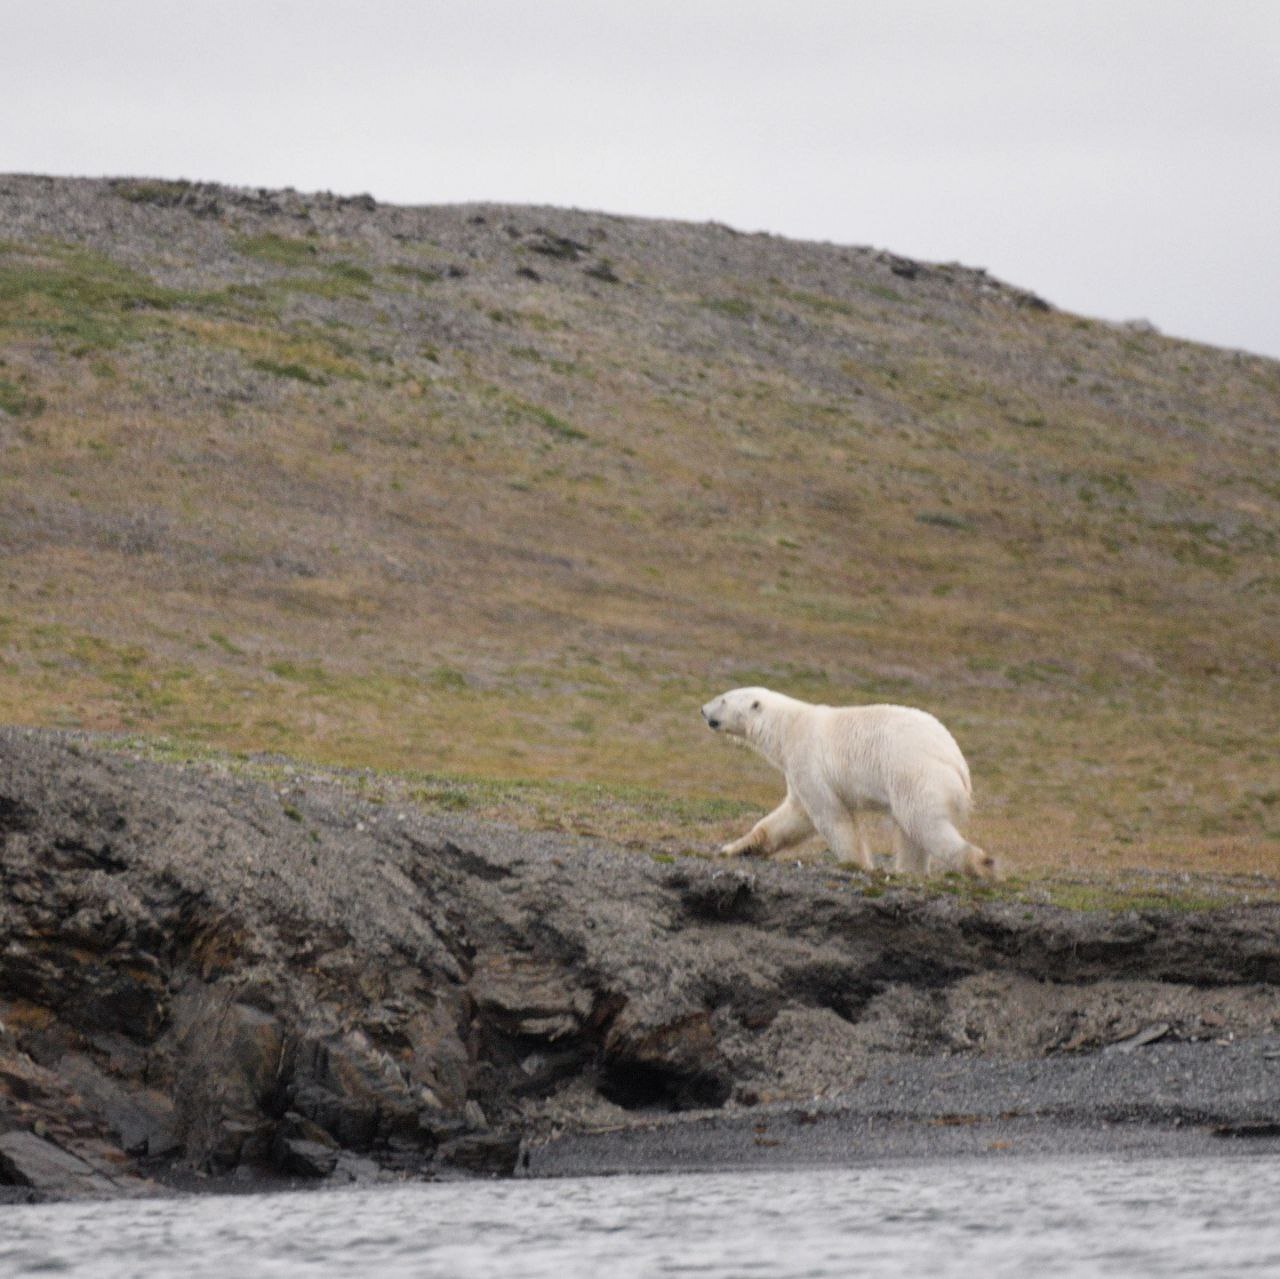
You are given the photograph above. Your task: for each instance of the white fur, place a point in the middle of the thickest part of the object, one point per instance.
(843, 760)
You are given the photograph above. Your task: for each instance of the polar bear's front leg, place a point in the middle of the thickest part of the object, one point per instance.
(788, 824)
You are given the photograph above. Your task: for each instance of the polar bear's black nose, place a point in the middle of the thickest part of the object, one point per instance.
(715, 723)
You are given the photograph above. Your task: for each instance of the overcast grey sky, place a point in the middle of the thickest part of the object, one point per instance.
(1120, 157)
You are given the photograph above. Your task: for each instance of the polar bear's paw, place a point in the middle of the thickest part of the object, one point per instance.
(744, 847)
(980, 864)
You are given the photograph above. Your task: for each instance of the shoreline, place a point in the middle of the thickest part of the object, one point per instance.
(216, 981)
(1204, 1100)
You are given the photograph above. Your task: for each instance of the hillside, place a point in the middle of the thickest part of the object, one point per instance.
(497, 496)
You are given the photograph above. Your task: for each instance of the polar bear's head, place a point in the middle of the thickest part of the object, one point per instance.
(736, 712)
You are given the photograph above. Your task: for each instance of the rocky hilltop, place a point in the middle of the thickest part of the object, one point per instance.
(202, 973)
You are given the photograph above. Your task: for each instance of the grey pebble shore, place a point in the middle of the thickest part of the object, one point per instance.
(1202, 1099)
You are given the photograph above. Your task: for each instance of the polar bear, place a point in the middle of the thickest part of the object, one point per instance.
(842, 760)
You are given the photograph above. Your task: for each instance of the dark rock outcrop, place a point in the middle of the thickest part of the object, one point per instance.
(203, 971)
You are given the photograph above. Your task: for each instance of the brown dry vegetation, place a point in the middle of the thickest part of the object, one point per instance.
(301, 475)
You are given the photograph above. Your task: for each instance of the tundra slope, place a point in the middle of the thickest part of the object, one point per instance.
(424, 488)
(202, 971)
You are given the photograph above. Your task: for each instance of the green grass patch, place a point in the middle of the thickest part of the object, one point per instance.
(89, 303)
(308, 673)
(16, 401)
(298, 372)
(556, 425)
(944, 519)
(447, 677)
(280, 250)
(305, 353)
(550, 422)
(334, 281)
(819, 302)
(534, 356)
(158, 191)
(333, 287)
(442, 797)
(1120, 897)
(418, 274)
(350, 272)
(80, 298)
(735, 308)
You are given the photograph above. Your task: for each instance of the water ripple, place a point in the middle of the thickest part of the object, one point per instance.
(1087, 1216)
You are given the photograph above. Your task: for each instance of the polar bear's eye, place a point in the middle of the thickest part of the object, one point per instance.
(755, 706)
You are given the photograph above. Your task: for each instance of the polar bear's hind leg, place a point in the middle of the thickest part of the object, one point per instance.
(908, 857)
(945, 848)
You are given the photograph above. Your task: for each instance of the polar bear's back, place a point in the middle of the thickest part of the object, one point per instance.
(884, 754)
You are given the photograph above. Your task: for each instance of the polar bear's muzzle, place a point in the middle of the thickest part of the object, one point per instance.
(708, 713)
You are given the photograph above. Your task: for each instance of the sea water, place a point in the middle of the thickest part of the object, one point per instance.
(991, 1216)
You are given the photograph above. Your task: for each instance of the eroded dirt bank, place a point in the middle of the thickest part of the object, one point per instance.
(201, 973)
